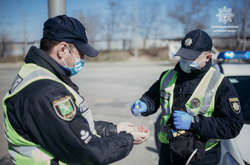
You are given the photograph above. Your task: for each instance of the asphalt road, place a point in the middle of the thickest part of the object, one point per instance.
(109, 89)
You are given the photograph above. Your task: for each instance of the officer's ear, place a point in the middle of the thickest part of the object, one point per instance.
(62, 50)
(208, 56)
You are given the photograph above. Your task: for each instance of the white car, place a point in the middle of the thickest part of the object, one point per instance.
(236, 67)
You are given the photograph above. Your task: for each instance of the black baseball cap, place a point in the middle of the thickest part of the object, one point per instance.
(68, 29)
(194, 43)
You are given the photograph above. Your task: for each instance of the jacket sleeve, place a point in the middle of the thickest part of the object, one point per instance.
(104, 128)
(69, 141)
(227, 119)
(152, 97)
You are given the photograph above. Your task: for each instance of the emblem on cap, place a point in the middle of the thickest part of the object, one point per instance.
(65, 108)
(235, 104)
(188, 42)
(195, 103)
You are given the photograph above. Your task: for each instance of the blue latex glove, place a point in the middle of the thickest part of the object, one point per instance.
(138, 107)
(182, 120)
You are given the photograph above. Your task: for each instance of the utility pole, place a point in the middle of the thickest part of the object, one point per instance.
(25, 39)
(135, 39)
(56, 7)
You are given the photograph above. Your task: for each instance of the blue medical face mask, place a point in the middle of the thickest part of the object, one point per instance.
(187, 65)
(195, 65)
(78, 65)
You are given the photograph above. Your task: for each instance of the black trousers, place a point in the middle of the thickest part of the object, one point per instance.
(212, 157)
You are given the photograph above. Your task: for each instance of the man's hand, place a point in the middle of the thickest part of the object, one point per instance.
(182, 120)
(139, 133)
(125, 126)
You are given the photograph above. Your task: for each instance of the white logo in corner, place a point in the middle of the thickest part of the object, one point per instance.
(85, 136)
(225, 15)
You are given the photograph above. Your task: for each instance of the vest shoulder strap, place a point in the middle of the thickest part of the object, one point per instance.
(167, 77)
(30, 73)
(211, 89)
(166, 98)
(201, 101)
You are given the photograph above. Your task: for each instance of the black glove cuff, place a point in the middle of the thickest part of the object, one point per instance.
(150, 105)
(195, 126)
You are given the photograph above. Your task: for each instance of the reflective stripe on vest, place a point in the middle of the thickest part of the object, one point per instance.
(167, 81)
(22, 150)
(202, 99)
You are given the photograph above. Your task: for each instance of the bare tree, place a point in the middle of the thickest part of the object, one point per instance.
(242, 20)
(109, 27)
(116, 21)
(4, 36)
(92, 23)
(3, 44)
(191, 14)
(150, 20)
(111, 22)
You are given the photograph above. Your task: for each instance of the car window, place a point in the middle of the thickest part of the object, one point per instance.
(242, 85)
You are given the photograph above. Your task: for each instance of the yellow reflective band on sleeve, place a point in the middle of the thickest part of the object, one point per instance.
(23, 160)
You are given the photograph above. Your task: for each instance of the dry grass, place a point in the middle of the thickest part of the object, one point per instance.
(115, 55)
(11, 59)
(155, 54)
(152, 54)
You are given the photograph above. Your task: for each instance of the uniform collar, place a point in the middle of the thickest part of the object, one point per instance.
(41, 58)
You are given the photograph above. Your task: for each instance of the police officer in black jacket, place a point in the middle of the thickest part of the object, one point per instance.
(187, 128)
(46, 119)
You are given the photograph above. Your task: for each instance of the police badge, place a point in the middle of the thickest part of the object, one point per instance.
(235, 104)
(188, 42)
(195, 103)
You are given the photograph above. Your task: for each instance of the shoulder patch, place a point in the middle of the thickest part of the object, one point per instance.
(235, 104)
(65, 108)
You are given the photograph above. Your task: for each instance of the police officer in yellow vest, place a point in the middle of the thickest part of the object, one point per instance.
(199, 106)
(47, 121)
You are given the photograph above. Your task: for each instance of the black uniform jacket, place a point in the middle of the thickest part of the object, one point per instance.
(32, 115)
(225, 122)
